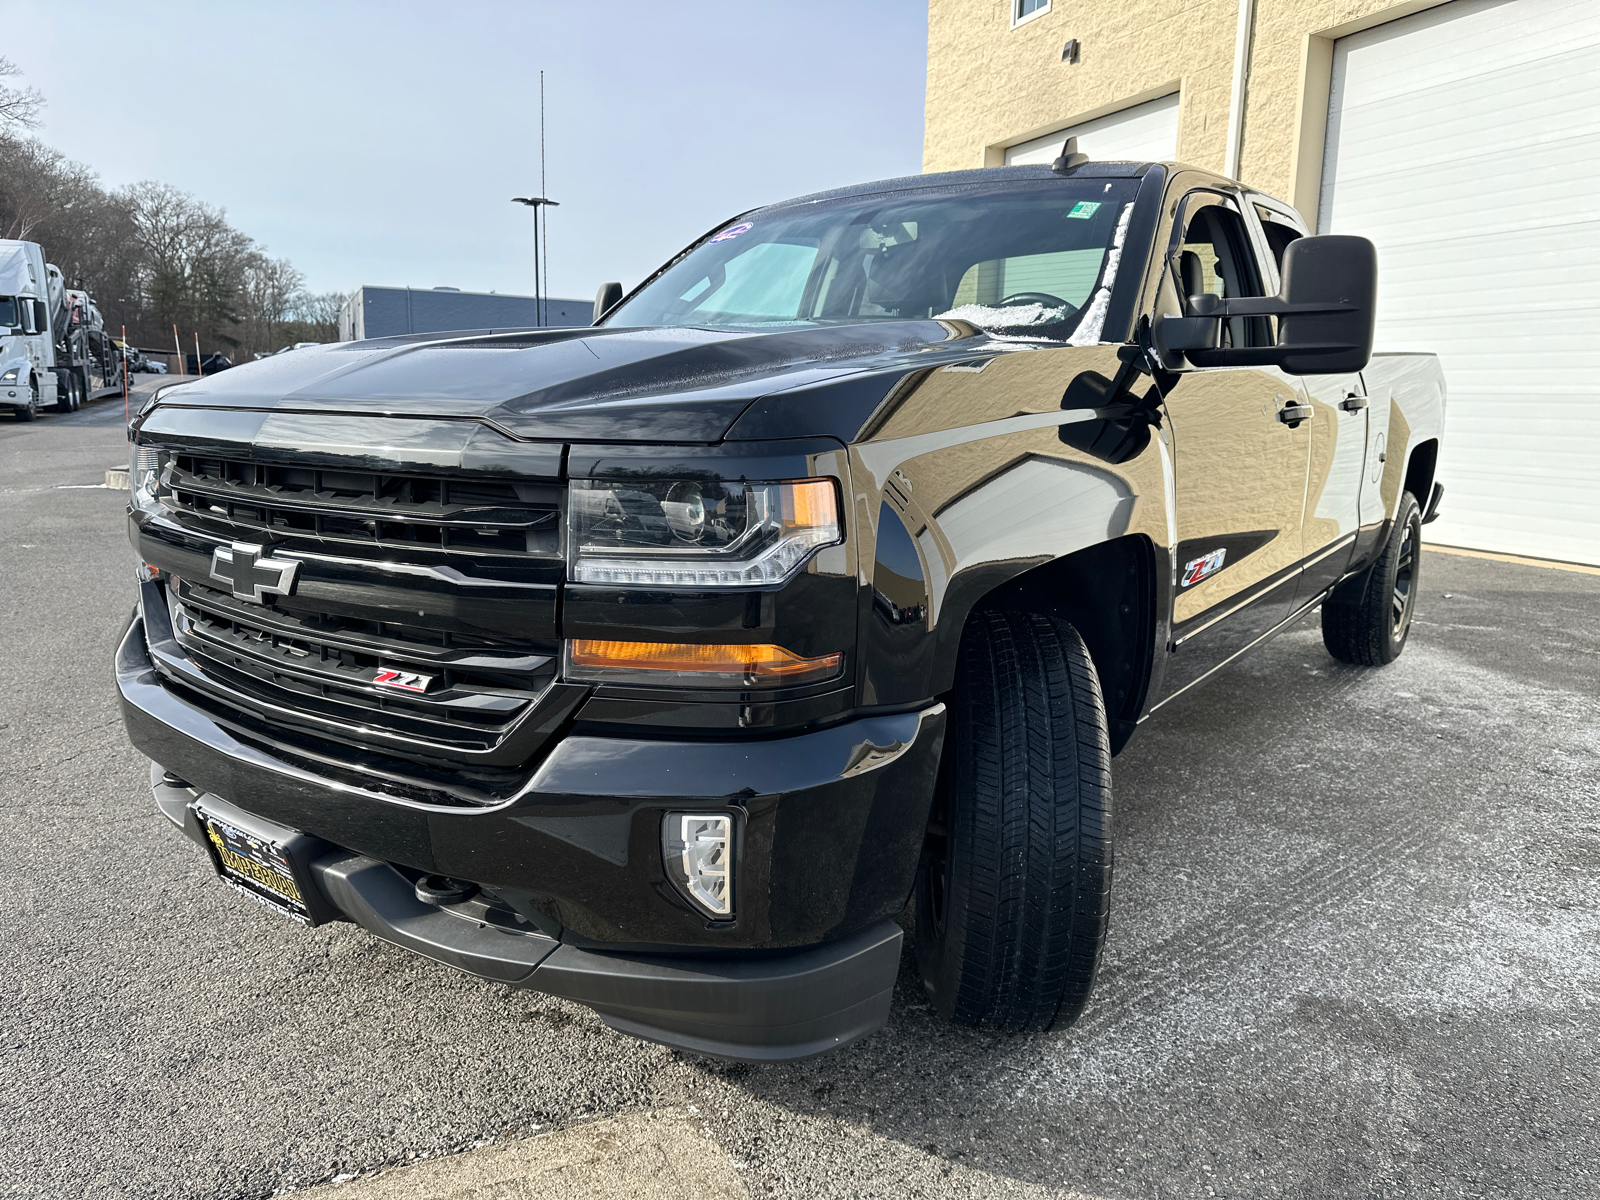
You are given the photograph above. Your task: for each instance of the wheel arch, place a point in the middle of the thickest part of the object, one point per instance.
(1107, 592)
(1422, 464)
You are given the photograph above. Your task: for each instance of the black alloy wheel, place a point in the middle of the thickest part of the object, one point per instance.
(1403, 595)
(1367, 620)
(1013, 889)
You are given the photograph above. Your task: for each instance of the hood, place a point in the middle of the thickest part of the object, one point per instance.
(661, 384)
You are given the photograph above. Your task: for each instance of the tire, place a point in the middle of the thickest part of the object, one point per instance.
(1367, 620)
(1013, 890)
(30, 410)
(67, 395)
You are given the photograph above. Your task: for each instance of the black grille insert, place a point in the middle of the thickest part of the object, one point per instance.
(503, 519)
(414, 691)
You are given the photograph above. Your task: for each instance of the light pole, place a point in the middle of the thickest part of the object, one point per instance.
(536, 203)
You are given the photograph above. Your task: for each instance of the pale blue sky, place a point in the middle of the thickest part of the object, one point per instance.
(380, 143)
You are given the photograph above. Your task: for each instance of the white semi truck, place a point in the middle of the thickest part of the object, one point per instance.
(53, 350)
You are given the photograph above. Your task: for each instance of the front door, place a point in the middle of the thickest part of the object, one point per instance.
(1239, 467)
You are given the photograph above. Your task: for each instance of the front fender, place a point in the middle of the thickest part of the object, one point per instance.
(24, 370)
(948, 514)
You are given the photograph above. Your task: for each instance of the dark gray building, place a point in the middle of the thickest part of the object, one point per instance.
(374, 312)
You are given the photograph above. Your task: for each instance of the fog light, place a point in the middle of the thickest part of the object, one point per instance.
(698, 851)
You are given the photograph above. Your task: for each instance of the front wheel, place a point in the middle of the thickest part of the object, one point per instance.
(1367, 619)
(1013, 891)
(30, 410)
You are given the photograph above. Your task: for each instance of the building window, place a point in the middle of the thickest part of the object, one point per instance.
(1027, 10)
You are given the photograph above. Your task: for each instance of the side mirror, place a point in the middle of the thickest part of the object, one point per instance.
(1331, 283)
(1325, 314)
(607, 298)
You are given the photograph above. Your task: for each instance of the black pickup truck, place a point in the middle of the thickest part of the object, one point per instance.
(662, 665)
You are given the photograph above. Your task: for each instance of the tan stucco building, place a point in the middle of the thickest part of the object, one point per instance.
(996, 81)
(1462, 137)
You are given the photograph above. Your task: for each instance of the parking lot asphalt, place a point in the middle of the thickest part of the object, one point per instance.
(1355, 947)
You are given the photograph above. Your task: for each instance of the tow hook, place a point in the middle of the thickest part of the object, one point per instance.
(441, 889)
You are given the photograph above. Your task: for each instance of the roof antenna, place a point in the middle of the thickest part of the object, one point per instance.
(1069, 157)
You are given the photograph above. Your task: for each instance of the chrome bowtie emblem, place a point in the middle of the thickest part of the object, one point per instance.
(251, 572)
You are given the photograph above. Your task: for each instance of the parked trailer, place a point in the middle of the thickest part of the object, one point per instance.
(53, 346)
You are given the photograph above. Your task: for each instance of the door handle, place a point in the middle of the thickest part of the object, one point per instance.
(1293, 414)
(1353, 403)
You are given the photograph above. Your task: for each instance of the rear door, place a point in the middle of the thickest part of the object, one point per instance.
(1338, 429)
(1240, 471)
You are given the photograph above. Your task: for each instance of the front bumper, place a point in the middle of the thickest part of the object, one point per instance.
(832, 825)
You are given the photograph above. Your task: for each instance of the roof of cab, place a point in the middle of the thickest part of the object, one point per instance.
(906, 183)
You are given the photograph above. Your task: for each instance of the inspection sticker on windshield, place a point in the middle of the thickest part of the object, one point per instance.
(1084, 209)
(733, 231)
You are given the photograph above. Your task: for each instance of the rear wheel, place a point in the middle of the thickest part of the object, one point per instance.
(67, 392)
(1367, 620)
(1013, 890)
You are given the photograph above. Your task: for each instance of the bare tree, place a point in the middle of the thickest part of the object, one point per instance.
(152, 256)
(19, 107)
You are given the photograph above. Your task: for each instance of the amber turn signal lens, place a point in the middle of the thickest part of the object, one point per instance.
(761, 662)
(810, 504)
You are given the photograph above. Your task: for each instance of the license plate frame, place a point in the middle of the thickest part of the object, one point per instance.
(260, 867)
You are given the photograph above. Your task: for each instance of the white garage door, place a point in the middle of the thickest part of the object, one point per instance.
(1465, 142)
(1144, 133)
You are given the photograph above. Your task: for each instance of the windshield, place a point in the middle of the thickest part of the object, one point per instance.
(1030, 258)
(8, 312)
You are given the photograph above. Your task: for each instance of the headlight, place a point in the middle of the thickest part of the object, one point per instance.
(11, 375)
(680, 533)
(144, 469)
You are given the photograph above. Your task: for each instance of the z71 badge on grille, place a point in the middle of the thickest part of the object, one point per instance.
(408, 681)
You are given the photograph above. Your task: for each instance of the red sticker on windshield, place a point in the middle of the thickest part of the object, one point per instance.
(733, 231)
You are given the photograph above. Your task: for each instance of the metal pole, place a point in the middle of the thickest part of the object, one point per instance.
(544, 282)
(538, 301)
(1234, 149)
(199, 367)
(125, 375)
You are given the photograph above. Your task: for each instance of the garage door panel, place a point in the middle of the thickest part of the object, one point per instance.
(1464, 193)
(1145, 132)
(1458, 108)
(1465, 141)
(1527, 261)
(1466, 40)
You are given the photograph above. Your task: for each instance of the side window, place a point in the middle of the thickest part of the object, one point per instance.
(1278, 239)
(1215, 257)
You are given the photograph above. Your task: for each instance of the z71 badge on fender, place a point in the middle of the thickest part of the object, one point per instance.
(408, 681)
(1194, 572)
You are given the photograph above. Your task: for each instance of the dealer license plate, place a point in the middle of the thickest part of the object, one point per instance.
(254, 865)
